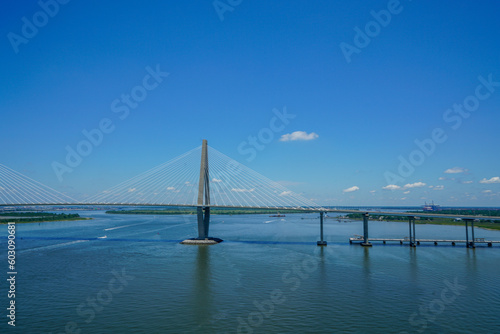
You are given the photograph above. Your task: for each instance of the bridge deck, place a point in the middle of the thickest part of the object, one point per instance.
(372, 213)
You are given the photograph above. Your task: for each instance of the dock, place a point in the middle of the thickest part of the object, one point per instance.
(416, 242)
(364, 240)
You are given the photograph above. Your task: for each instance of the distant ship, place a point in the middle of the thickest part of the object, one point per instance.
(431, 207)
(278, 215)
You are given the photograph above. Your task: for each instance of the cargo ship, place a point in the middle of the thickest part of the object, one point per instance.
(431, 207)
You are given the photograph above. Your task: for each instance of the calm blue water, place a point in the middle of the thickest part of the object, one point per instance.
(267, 277)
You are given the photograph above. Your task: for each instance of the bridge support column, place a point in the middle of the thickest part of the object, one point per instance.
(203, 208)
(473, 244)
(410, 223)
(365, 242)
(467, 233)
(414, 235)
(203, 214)
(321, 242)
(470, 244)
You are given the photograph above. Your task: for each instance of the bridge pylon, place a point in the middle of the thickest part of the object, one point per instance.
(203, 204)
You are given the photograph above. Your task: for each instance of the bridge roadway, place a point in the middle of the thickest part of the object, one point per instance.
(325, 210)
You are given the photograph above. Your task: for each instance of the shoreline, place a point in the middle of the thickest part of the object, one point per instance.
(42, 220)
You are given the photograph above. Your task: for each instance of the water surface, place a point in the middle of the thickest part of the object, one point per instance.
(268, 276)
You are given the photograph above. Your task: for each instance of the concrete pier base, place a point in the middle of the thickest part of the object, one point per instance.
(321, 243)
(366, 244)
(206, 241)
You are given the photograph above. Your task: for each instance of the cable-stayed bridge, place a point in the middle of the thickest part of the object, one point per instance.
(203, 178)
(226, 182)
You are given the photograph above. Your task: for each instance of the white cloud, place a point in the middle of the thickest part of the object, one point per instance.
(373, 191)
(442, 178)
(391, 187)
(216, 180)
(438, 187)
(414, 185)
(298, 135)
(406, 192)
(351, 189)
(467, 182)
(403, 198)
(239, 190)
(486, 191)
(494, 179)
(286, 193)
(131, 190)
(455, 170)
(170, 188)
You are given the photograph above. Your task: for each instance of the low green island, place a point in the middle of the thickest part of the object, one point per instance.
(487, 224)
(37, 217)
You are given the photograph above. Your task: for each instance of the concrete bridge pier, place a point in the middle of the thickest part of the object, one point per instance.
(322, 242)
(473, 245)
(365, 242)
(411, 223)
(469, 244)
(414, 235)
(203, 214)
(409, 233)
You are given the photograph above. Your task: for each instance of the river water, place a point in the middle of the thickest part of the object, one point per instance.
(129, 274)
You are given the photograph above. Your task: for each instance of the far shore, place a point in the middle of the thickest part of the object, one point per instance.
(6, 221)
(37, 217)
(43, 217)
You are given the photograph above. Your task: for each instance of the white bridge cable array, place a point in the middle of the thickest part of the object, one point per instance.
(16, 188)
(176, 183)
(172, 183)
(233, 184)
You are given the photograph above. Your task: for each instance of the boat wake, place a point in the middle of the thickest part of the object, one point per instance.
(116, 228)
(52, 246)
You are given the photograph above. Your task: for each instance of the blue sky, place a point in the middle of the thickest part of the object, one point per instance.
(359, 112)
